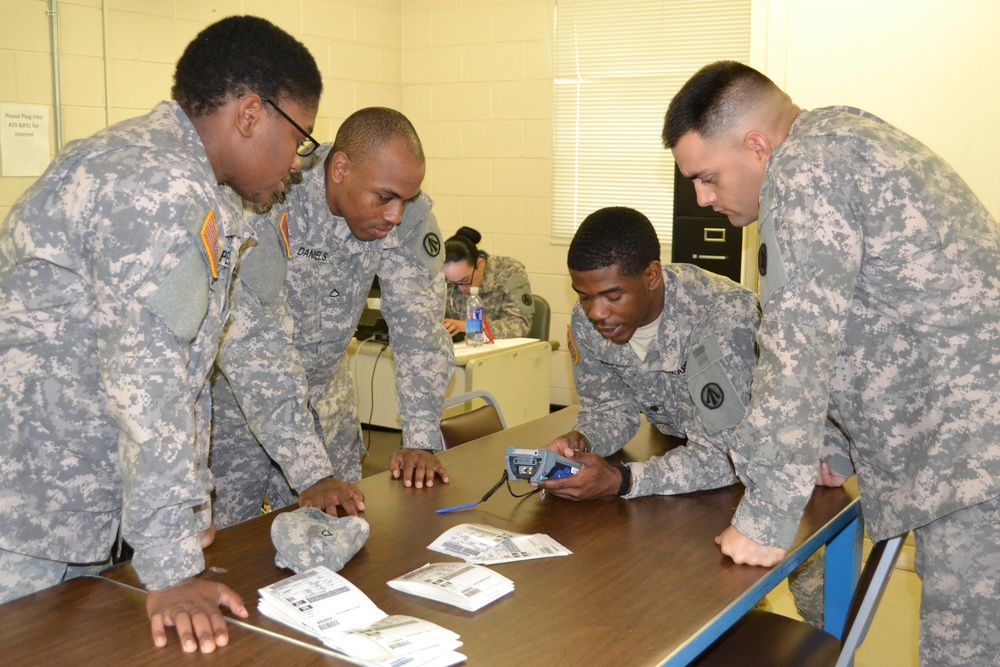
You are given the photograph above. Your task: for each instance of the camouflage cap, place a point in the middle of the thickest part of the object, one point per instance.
(308, 537)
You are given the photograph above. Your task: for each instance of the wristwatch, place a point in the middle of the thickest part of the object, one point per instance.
(626, 484)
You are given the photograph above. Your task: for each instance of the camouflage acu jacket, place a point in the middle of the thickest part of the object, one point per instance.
(693, 383)
(880, 286)
(329, 276)
(115, 269)
(506, 295)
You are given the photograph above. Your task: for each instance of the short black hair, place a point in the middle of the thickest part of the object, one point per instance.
(615, 235)
(712, 99)
(368, 130)
(462, 246)
(244, 54)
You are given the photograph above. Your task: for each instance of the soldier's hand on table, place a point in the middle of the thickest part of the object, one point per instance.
(193, 608)
(454, 326)
(416, 467)
(745, 551)
(329, 493)
(827, 477)
(207, 536)
(573, 441)
(595, 479)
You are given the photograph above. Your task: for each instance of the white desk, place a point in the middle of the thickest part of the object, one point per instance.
(515, 370)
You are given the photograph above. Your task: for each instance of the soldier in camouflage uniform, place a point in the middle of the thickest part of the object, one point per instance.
(503, 286)
(674, 343)
(259, 363)
(880, 285)
(358, 213)
(115, 271)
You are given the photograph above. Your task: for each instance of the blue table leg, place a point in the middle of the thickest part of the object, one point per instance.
(842, 537)
(843, 566)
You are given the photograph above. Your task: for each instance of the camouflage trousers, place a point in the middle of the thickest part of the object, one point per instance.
(958, 561)
(22, 575)
(806, 585)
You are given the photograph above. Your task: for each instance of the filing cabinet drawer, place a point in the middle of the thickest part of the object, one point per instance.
(711, 243)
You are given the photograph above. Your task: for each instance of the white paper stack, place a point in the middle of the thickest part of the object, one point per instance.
(323, 604)
(486, 545)
(464, 585)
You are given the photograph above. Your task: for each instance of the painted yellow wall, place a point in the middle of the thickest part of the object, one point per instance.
(475, 78)
(929, 67)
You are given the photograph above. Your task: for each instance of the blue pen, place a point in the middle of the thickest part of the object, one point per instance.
(467, 506)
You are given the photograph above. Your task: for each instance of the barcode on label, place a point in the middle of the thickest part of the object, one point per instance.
(455, 547)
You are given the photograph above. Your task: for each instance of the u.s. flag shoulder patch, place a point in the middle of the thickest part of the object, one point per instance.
(210, 239)
(574, 353)
(283, 226)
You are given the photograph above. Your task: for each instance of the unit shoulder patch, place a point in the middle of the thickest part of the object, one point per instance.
(432, 244)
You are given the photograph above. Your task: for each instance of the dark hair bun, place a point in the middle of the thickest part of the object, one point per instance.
(469, 233)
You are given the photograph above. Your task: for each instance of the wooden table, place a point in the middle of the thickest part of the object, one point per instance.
(646, 584)
(94, 621)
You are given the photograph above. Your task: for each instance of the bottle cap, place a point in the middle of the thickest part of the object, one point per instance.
(474, 290)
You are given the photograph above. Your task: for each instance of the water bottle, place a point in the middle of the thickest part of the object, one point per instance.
(474, 319)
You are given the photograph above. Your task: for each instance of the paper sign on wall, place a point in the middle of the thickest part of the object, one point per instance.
(24, 139)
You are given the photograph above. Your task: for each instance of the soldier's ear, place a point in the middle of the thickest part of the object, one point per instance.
(653, 275)
(248, 111)
(759, 146)
(340, 166)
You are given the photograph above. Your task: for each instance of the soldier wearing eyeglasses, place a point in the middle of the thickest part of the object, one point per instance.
(115, 276)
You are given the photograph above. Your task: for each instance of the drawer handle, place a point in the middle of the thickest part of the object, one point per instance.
(715, 235)
(721, 258)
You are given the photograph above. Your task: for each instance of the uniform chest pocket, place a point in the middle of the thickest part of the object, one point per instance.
(719, 404)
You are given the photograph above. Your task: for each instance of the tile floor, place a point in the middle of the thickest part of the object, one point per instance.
(892, 639)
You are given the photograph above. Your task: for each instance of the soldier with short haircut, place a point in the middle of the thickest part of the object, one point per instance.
(115, 275)
(358, 213)
(880, 286)
(672, 342)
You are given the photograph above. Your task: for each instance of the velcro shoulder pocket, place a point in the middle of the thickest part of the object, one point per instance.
(265, 266)
(719, 404)
(181, 301)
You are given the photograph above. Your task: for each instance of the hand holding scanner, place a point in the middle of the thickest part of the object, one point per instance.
(538, 465)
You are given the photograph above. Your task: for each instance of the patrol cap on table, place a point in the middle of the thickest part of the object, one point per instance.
(308, 537)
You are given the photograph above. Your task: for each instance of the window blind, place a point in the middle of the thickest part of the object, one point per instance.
(617, 65)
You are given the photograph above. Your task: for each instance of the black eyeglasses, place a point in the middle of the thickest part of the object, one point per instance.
(305, 148)
(467, 280)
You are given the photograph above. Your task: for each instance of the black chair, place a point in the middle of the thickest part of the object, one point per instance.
(540, 321)
(476, 423)
(767, 639)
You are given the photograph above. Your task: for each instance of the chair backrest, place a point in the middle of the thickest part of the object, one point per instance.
(540, 320)
(867, 594)
(476, 423)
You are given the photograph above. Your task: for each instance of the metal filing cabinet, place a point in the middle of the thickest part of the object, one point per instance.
(703, 237)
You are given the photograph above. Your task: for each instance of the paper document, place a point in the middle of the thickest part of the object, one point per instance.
(486, 545)
(464, 585)
(327, 606)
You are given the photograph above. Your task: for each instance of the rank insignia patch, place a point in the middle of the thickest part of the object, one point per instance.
(210, 239)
